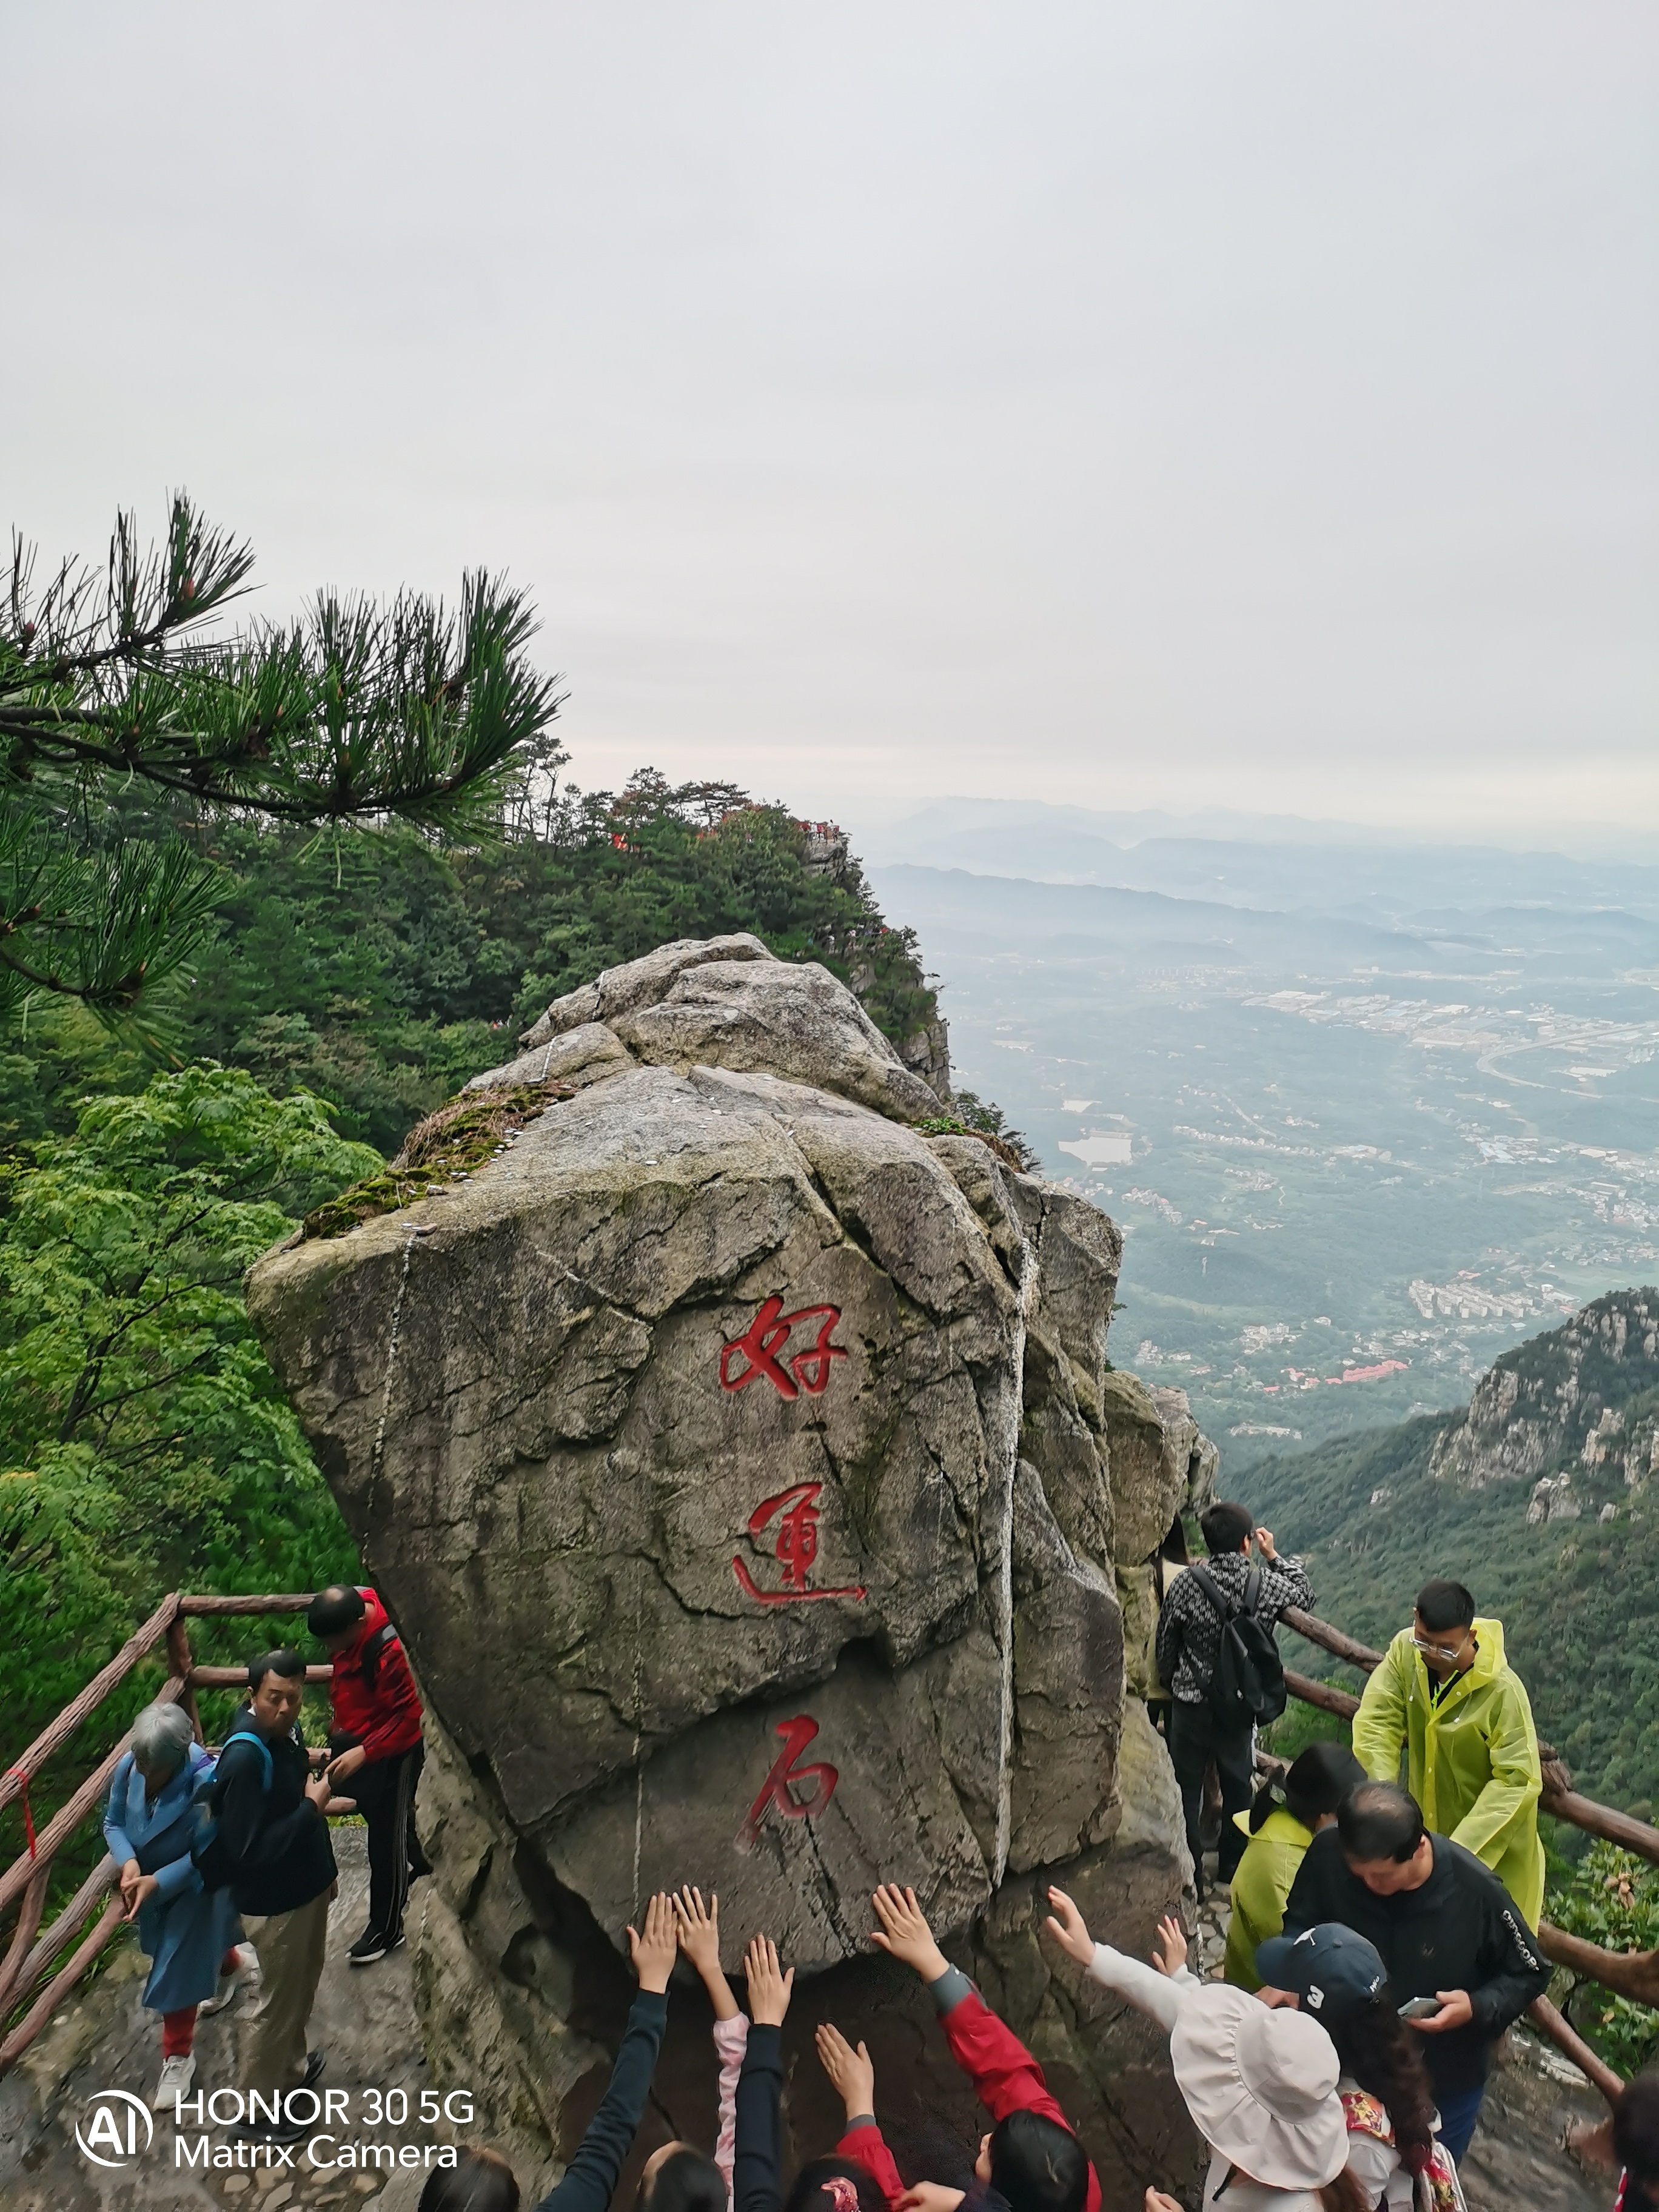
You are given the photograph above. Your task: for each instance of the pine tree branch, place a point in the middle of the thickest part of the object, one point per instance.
(358, 712)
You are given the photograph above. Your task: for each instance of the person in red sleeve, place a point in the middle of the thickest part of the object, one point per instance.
(1636, 2142)
(376, 1745)
(1031, 2160)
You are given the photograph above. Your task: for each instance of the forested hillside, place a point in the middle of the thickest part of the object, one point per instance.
(1480, 1497)
(380, 971)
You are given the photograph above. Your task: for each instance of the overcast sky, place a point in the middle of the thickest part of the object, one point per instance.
(1182, 404)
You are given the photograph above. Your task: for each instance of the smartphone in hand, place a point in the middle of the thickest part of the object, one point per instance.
(1419, 2009)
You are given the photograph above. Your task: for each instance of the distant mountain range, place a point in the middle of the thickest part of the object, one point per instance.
(1238, 860)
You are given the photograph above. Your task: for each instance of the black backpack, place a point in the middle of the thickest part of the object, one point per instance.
(1247, 1680)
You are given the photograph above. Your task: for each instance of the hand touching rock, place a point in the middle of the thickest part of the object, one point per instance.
(852, 2073)
(769, 1987)
(1067, 1927)
(652, 1953)
(904, 1933)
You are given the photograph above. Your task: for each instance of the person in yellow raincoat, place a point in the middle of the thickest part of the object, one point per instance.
(1446, 1693)
(1280, 1825)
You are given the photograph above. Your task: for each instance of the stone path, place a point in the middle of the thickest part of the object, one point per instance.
(364, 2020)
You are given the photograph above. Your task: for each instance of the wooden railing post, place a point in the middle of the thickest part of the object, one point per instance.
(29, 1921)
(1545, 2017)
(178, 1664)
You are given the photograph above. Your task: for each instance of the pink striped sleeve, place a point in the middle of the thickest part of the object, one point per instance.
(731, 2041)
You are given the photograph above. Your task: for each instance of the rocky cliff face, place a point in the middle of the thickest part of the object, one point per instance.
(1575, 1414)
(745, 1471)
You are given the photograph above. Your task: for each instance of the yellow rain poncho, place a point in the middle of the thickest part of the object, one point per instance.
(1471, 1759)
(1272, 1860)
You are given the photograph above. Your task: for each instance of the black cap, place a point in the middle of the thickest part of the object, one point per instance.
(1331, 1969)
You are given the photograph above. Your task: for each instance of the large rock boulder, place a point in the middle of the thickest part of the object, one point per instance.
(727, 1002)
(746, 1472)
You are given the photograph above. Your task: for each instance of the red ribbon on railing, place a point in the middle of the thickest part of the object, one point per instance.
(20, 1774)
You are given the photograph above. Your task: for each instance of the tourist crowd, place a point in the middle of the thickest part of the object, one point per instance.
(1381, 1938)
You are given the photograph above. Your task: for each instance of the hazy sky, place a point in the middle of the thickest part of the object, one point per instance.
(1247, 404)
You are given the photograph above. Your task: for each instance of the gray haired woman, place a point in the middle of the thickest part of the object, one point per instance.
(189, 1932)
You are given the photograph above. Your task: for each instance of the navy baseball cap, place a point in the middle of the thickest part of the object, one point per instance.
(1330, 1968)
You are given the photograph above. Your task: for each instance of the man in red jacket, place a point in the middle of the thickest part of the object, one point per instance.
(376, 1745)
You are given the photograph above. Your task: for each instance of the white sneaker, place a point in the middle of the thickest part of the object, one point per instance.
(246, 1970)
(177, 2075)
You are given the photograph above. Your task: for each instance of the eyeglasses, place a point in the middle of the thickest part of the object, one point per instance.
(1438, 1650)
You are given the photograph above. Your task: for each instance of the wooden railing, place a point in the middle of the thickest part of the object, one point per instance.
(1631, 1974)
(30, 1954)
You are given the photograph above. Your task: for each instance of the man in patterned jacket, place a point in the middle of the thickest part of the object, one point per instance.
(1188, 1638)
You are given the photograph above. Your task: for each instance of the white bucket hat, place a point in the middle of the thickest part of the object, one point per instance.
(1261, 2086)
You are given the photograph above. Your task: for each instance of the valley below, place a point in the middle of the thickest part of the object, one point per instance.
(1359, 1143)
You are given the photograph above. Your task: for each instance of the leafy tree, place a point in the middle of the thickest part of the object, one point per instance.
(1611, 1898)
(145, 1443)
(356, 713)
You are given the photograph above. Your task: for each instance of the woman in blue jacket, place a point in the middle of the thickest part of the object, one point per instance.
(189, 1933)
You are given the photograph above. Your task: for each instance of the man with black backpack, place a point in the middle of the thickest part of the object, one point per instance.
(267, 1841)
(375, 1751)
(1217, 1652)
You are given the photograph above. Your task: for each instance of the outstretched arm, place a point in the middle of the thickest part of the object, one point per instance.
(853, 2077)
(590, 2180)
(758, 2163)
(1006, 2077)
(1158, 1991)
(699, 1931)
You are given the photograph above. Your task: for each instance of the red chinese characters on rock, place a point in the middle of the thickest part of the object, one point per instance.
(764, 1339)
(797, 1792)
(794, 1544)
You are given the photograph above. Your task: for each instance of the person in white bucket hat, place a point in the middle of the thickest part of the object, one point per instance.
(1261, 2086)
(1387, 2109)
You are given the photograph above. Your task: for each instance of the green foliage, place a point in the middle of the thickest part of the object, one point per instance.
(354, 713)
(378, 973)
(1612, 1900)
(1299, 1725)
(145, 1443)
(1579, 1600)
(973, 1117)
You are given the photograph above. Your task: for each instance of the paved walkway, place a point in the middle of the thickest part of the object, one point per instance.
(364, 2020)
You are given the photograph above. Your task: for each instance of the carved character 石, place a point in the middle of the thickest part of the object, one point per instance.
(815, 1782)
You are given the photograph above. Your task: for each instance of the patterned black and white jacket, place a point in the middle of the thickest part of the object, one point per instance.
(1189, 1627)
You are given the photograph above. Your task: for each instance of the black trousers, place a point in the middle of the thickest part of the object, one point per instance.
(1195, 1738)
(385, 1791)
